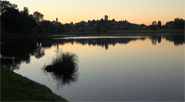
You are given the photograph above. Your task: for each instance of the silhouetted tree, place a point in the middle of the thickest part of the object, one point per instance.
(169, 25)
(12, 20)
(113, 20)
(154, 25)
(179, 23)
(81, 26)
(26, 10)
(38, 17)
(68, 27)
(89, 21)
(28, 22)
(6, 4)
(45, 26)
(60, 28)
(159, 24)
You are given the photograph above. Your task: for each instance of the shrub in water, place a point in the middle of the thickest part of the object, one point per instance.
(63, 68)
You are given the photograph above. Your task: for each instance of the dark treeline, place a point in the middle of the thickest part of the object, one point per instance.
(103, 25)
(21, 22)
(176, 24)
(13, 21)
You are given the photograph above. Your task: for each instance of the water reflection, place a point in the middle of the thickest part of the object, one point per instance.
(39, 52)
(114, 75)
(155, 39)
(23, 49)
(63, 68)
(106, 41)
(177, 39)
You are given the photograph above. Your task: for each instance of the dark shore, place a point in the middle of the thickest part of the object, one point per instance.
(118, 34)
(15, 87)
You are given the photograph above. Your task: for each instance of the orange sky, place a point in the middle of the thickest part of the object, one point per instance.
(135, 11)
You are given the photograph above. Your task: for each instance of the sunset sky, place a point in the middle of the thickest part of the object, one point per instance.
(134, 11)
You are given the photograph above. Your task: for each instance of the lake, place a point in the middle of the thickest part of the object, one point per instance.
(110, 68)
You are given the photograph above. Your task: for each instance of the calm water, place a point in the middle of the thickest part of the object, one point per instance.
(116, 68)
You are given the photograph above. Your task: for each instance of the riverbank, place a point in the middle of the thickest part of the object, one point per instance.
(114, 34)
(15, 87)
(160, 32)
(132, 31)
(148, 32)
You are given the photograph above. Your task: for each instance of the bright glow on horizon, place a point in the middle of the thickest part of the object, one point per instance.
(135, 11)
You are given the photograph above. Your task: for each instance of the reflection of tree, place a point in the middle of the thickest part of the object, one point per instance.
(104, 42)
(177, 39)
(21, 50)
(63, 68)
(39, 51)
(159, 39)
(154, 40)
(46, 42)
(38, 16)
(154, 25)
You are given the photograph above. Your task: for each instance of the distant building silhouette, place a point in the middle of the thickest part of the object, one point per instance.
(56, 19)
(106, 17)
(26, 10)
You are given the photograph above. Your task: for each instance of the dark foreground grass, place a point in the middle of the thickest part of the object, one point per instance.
(15, 87)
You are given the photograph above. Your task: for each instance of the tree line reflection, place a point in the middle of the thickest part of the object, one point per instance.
(104, 42)
(64, 68)
(177, 39)
(155, 39)
(23, 49)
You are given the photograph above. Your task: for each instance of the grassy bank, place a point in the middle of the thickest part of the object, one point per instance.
(15, 87)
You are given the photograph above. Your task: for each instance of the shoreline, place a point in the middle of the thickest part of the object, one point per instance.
(108, 33)
(7, 37)
(115, 34)
(15, 87)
